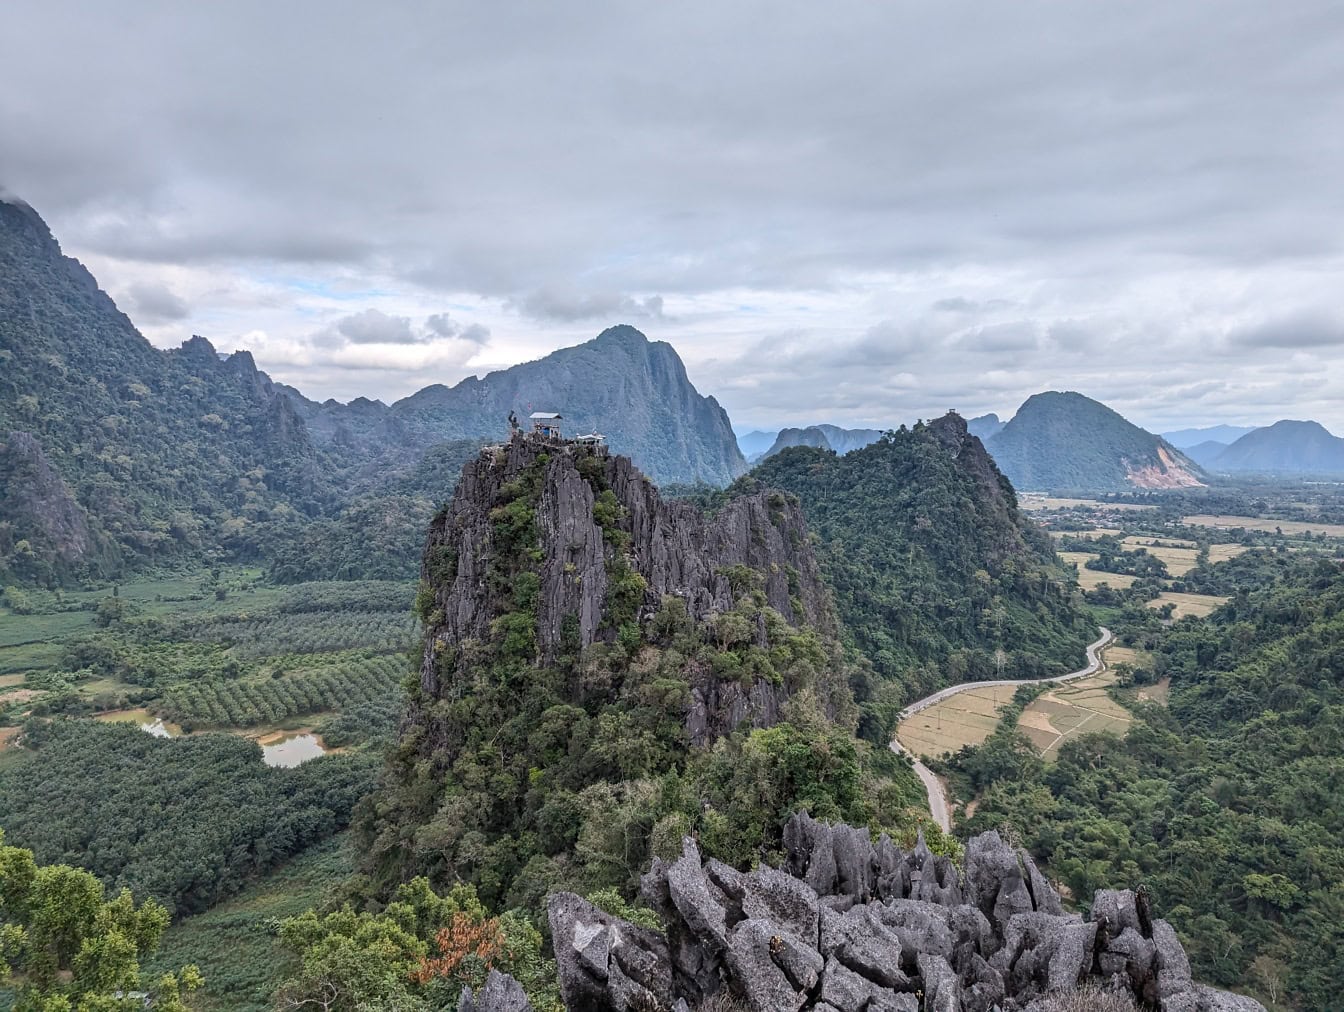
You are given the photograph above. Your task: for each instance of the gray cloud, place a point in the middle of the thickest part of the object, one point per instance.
(445, 326)
(570, 307)
(1313, 329)
(152, 303)
(956, 202)
(375, 327)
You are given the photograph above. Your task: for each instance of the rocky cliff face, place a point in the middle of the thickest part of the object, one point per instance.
(852, 926)
(597, 520)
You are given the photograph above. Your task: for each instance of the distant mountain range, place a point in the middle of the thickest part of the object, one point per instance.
(1065, 441)
(758, 444)
(754, 443)
(984, 426)
(824, 437)
(1183, 439)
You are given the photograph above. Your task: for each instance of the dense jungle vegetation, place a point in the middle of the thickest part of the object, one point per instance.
(186, 822)
(1229, 803)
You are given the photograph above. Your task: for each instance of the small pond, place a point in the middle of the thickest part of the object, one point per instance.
(292, 750)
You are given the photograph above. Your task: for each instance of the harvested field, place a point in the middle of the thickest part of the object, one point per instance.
(1092, 535)
(1034, 501)
(1074, 708)
(1225, 522)
(1221, 553)
(967, 718)
(1198, 605)
(1091, 579)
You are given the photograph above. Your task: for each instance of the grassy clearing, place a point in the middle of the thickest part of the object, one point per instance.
(21, 630)
(1092, 535)
(967, 718)
(1226, 522)
(1159, 692)
(1091, 579)
(233, 944)
(1198, 605)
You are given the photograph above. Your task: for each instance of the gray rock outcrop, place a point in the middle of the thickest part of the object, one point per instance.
(852, 926)
(677, 550)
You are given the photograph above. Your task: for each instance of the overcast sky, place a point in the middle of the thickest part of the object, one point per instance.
(858, 213)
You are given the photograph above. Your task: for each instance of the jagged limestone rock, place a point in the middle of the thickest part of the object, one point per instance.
(791, 947)
(501, 993)
(603, 962)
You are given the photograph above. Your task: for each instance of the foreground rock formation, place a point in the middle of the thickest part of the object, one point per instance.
(849, 926)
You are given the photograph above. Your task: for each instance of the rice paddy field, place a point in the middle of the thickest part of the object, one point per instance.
(1092, 535)
(1034, 501)
(1198, 605)
(1178, 561)
(1256, 524)
(1074, 708)
(1221, 553)
(1068, 709)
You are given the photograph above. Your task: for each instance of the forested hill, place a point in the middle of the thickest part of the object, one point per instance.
(632, 390)
(112, 451)
(1068, 442)
(934, 569)
(605, 671)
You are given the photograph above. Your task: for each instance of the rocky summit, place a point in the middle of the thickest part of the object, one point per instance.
(852, 926)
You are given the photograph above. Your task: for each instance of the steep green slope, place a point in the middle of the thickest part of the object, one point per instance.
(144, 454)
(1068, 442)
(934, 569)
(1285, 446)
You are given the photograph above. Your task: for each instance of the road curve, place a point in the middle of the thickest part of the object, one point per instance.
(938, 802)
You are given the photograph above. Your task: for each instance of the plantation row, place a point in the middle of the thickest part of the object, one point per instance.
(308, 632)
(243, 704)
(360, 595)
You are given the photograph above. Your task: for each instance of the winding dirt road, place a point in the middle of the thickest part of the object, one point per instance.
(938, 802)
